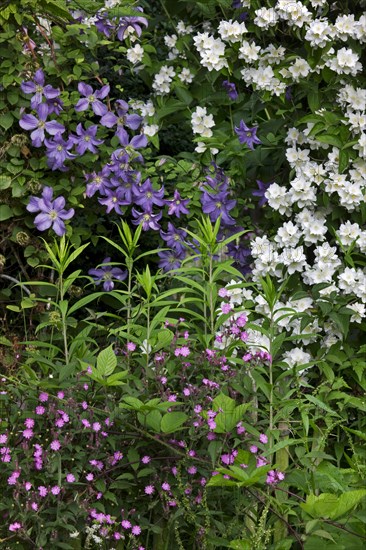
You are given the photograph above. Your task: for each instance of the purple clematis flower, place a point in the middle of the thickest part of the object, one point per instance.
(52, 212)
(106, 273)
(38, 88)
(218, 205)
(58, 151)
(114, 198)
(174, 238)
(170, 259)
(92, 98)
(231, 89)
(30, 122)
(178, 205)
(104, 25)
(137, 142)
(54, 106)
(147, 197)
(134, 22)
(147, 219)
(123, 119)
(98, 182)
(86, 140)
(247, 135)
(262, 188)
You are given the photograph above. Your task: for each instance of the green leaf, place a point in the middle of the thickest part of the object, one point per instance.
(106, 361)
(152, 419)
(328, 505)
(5, 212)
(172, 421)
(6, 120)
(240, 545)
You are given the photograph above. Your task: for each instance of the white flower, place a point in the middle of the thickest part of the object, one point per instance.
(249, 52)
(151, 129)
(202, 122)
(297, 357)
(231, 31)
(135, 54)
(202, 147)
(300, 68)
(186, 76)
(265, 18)
(278, 198)
(288, 234)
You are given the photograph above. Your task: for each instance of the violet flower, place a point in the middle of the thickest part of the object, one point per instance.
(92, 98)
(134, 22)
(52, 212)
(137, 142)
(218, 205)
(97, 182)
(174, 238)
(54, 106)
(123, 119)
(104, 25)
(147, 197)
(247, 135)
(58, 151)
(30, 122)
(86, 140)
(231, 89)
(262, 188)
(106, 273)
(177, 206)
(114, 198)
(147, 219)
(170, 259)
(38, 88)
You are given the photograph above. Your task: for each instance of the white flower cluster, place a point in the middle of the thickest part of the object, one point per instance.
(231, 31)
(202, 122)
(163, 79)
(211, 50)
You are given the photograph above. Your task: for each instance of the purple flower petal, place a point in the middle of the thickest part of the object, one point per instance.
(108, 120)
(28, 122)
(138, 141)
(103, 92)
(82, 105)
(39, 77)
(99, 108)
(85, 89)
(42, 111)
(54, 127)
(59, 203)
(133, 121)
(28, 87)
(33, 205)
(59, 227)
(43, 221)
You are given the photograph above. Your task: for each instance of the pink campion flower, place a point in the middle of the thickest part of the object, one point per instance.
(174, 470)
(172, 397)
(149, 489)
(43, 397)
(59, 423)
(34, 506)
(15, 526)
(261, 462)
(165, 486)
(84, 405)
(223, 292)
(43, 491)
(240, 428)
(55, 445)
(192, 470)
(247, 357)
(27, 485)
(12, 480)
(60, 395)
(253, 449)
(263, 438)
(29, 423)
(3, 439)
(146, 459)
(70, 478)
(89, 477)
(192, 453)
(126, 524)
(131, 346)
(56, 490)
(28, 434)
(136, 530)
(96, 426)
(85, 423)
(40, 410)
